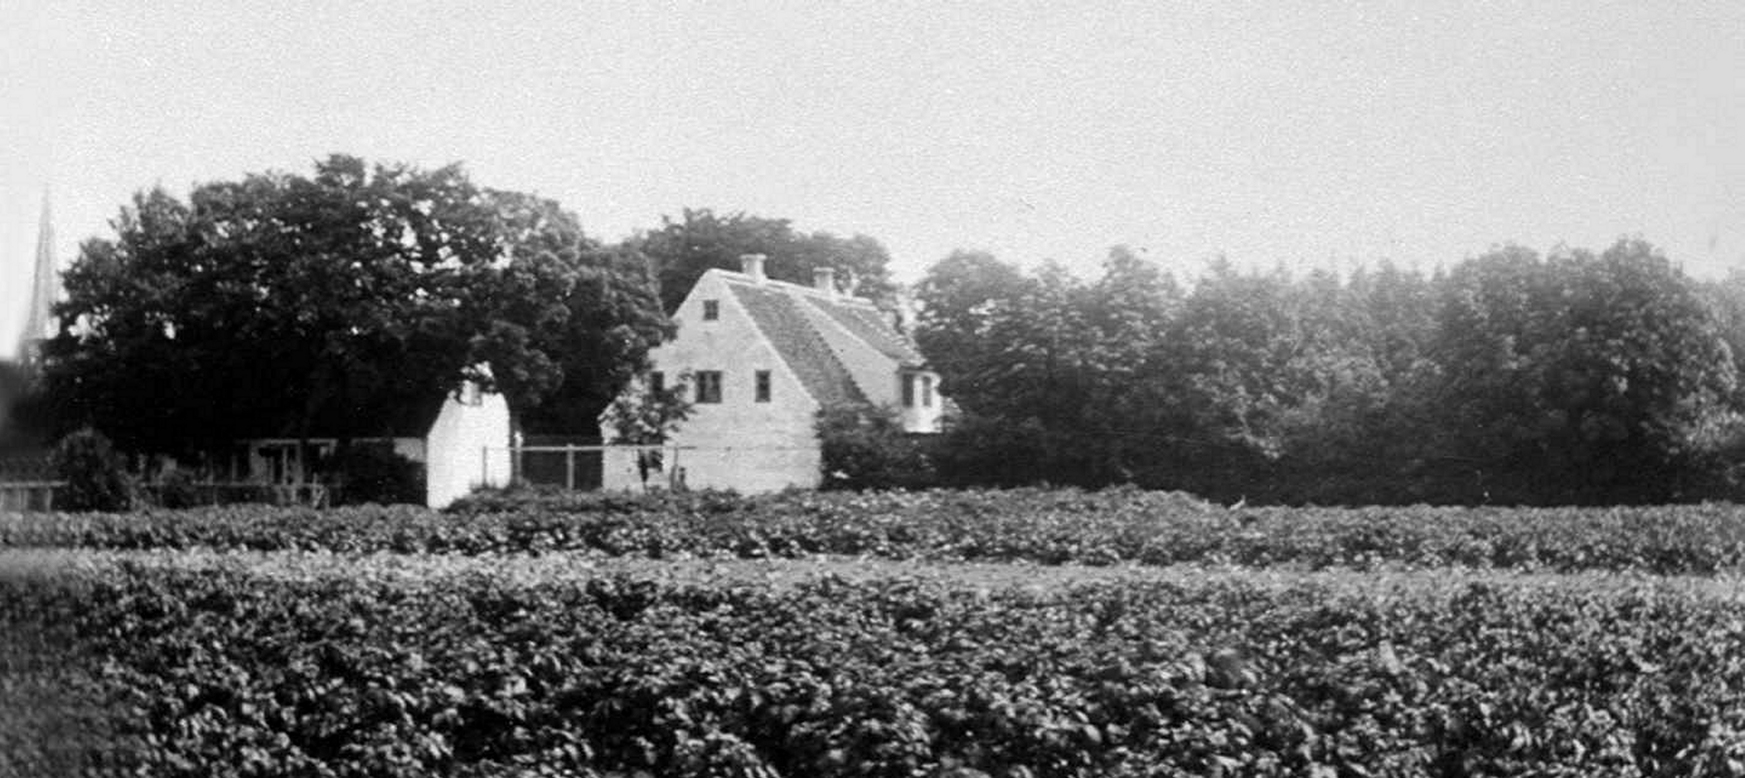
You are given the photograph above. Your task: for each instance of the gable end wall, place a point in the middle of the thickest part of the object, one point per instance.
(738, 443)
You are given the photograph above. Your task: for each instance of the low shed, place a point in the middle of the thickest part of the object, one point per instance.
(461, 439)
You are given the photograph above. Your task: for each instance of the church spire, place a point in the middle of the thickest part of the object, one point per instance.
(44, 291)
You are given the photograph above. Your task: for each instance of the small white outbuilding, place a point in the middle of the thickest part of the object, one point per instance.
(460, 438)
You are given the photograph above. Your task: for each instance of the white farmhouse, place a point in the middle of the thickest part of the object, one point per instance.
(762, 358)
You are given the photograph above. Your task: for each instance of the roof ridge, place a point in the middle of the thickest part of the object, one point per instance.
(875, 332)
(736, 277)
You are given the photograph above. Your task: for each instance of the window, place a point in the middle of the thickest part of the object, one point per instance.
(657, 382)
(908, 380)
(711, 310)
(708, 386)
(926, 391)
(763, 386)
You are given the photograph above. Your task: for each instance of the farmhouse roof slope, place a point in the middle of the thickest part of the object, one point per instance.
(808, 326)
(777, 313)
(863, 320)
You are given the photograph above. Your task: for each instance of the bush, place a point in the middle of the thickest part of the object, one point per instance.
(175, 489)
(95, 479)
(376, 474)
(866, 448)
(978, 451)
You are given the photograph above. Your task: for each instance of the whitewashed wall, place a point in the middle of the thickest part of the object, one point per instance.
(920, 417)
(739, 443)
(456, 458)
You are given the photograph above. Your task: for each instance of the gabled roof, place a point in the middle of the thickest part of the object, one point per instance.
(775, 309)
(864, 321)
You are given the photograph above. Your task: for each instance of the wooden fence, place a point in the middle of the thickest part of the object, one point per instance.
(27, 484)
(28, 495)
(575, 467)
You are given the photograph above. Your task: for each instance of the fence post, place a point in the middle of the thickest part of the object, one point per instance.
(569, 467)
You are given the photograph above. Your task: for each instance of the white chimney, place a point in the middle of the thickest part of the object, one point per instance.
(824, 280)
(752, 265)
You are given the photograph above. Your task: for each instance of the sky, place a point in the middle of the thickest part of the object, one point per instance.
(1302, 134)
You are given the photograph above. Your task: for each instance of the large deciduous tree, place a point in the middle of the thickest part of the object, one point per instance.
(1593, 372)
(682, 249)
(1580, 377)
(280, 302)
(599, 312)
(1050, 371)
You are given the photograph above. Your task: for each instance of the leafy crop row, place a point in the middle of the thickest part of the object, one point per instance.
(215, 672)
(1049, 527)
(52, 711)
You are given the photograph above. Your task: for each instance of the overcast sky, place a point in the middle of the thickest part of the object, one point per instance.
(1299, 133)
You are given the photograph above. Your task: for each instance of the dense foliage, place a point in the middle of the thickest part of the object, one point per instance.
(1061, 527)
(22, 428)
(682, 249)
(863, 447)
(287, 305)
(228, 671)
(92, 471)
(54, 718)
(377, 474)
(1578, 377)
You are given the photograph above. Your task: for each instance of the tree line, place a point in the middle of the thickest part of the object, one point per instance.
(290, 305)
(285, 304)
(1510, 377)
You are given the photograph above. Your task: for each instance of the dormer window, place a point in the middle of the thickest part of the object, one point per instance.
(914, 384)
(711, 310)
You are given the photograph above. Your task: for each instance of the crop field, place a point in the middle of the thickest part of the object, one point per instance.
(1024, 633)
(1113, 527)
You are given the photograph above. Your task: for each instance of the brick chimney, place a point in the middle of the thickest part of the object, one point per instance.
(752, 265)
(824, 280)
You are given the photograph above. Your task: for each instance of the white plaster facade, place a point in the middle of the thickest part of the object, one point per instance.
(467, 447)
(738, 443)
(925, 409)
